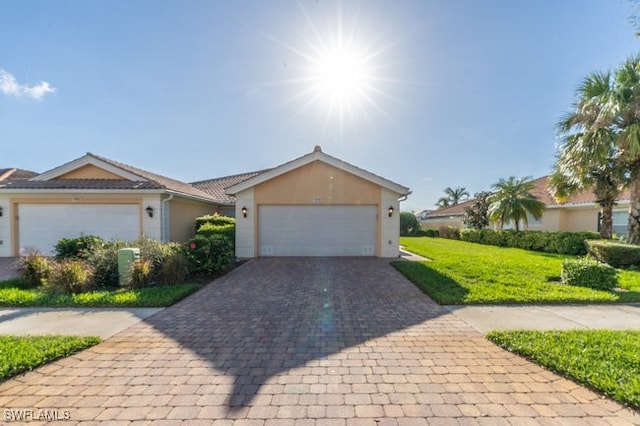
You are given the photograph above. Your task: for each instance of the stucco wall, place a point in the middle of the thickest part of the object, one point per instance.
(436, 223)
(5, 227)
(182, 214)
(317, 183)
(90, 172)
(246, 226)
(389, 240)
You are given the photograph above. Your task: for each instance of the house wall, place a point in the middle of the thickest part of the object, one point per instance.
(389, 240)
(246, 226)
(89, 172)
(5, 227)
(435, 223)
(181, 216)
(317, 183)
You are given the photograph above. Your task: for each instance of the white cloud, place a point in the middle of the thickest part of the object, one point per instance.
(10, 86)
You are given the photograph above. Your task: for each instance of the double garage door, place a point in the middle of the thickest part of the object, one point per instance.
(42, 225)
(317, 230)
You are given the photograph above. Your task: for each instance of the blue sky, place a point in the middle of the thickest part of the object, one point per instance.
(455, 93)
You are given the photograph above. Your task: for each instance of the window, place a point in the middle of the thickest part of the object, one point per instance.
(620, 222)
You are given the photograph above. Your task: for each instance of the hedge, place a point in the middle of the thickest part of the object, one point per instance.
(571, 243)
(618, 255)
(589, 273)
(214, 219)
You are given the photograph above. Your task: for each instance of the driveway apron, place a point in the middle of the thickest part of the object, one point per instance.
(341, 341)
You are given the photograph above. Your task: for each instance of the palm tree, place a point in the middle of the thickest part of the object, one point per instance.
(453, 196)
(512, 200)
(624, 112)
(588, 157)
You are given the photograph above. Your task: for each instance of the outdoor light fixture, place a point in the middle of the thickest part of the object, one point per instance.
(390, 211)
(149, 211)
(244, 211)
(0, 211)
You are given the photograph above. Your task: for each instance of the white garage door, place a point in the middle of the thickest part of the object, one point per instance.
(42, 225)
(317, 230)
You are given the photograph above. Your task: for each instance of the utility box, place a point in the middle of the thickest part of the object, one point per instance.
(126, 257)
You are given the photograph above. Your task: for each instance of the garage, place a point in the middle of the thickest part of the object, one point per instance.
(317, 230)
(42, 225)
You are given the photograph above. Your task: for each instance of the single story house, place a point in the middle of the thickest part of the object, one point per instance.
(579, 213)
(315, 205)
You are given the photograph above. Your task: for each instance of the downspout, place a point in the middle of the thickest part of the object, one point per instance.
(164, 231)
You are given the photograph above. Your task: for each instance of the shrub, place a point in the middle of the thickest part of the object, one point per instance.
(174, 269)
(571, 243)
(77, 248)
(140, 273)
(428, 233)
(105, 264)
(589, 273)
(214, 219)
(618, 255)
(210, 230)
(210, 253)
(35, 269)
(70, 276)
(449, 232)
(408, 224)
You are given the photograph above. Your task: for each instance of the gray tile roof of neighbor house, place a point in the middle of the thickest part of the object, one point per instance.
(216, 187)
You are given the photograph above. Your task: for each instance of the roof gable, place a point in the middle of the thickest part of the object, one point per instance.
(317, 155)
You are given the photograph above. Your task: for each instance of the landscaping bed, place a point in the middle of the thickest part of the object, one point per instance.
(604, 360)
(467, 273)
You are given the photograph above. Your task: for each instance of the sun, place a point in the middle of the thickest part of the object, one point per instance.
(340, 75)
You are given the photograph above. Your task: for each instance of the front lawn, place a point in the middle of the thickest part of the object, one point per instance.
(469, 273)
(13, 294)
(23, 353)
(607, 361)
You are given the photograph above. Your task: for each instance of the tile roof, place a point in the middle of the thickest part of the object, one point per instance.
(164, 182)
(97, 184)
(541, 191)
(11, 173)
(216, 187)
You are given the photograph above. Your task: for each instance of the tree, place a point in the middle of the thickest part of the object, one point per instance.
(588, 156)
(453, 196)
(513, 201)
(408, 224)
(476, 216)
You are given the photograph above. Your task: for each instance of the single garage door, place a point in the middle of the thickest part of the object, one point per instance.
(42, 225)
(317, 230)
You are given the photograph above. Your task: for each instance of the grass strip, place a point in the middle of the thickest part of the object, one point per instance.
(604, 360)
(12, 295)
(23, 353)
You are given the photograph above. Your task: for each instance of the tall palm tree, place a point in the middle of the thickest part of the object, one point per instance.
(453, 196)
(512, 200)
(588, 156)
(624, 111)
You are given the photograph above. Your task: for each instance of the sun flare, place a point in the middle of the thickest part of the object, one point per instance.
(340, 75)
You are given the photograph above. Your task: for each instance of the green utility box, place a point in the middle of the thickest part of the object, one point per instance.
(126, 257)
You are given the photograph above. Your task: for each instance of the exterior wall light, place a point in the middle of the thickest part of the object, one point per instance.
(0, 211)
(244, 211)
(149, 211)
(390, 211)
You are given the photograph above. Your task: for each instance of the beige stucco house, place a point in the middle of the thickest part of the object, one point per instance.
(93, 195)
(315, 205)
(579, 213)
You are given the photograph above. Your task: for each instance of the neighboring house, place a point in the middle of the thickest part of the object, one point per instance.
(6, 174)
(315, 205)
(93, 195)
(579, 213)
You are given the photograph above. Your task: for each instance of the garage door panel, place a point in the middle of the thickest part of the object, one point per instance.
(317, 230)
(41, 226)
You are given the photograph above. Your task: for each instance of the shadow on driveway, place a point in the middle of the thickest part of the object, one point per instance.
(275, 314)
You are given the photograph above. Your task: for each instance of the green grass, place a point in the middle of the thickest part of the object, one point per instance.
(468, 273)
(23, 353)
(607, 361)
(14, 294)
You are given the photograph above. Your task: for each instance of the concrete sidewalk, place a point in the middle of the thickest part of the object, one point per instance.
(549, 317)
(101, 322)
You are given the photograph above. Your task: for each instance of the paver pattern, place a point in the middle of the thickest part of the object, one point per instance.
(306, 341)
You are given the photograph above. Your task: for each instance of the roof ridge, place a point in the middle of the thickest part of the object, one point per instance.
(257, 172)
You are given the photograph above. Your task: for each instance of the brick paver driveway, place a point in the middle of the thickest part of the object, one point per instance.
(308, 341)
